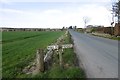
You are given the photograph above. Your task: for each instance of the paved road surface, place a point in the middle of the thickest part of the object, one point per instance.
(98, 56)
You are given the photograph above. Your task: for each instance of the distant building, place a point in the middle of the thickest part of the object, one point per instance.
(117, 29)
(90, 26)
(28, 29)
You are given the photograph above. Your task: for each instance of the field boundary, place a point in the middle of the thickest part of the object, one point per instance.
(33, 69)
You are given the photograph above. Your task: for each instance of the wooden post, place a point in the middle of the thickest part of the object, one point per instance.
(60, 58)
(39, 62)
(60, 55)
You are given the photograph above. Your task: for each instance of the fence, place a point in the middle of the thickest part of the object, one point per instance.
(43, 62)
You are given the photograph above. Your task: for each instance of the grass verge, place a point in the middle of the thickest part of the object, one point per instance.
(106, 36)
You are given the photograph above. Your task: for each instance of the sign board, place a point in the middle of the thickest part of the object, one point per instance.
(67, 46)
(52, 47)
(56, 46)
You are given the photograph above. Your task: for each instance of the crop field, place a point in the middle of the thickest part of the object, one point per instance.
(18, 48)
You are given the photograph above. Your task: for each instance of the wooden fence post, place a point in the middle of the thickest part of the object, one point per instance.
(39, 61)
(60, 56)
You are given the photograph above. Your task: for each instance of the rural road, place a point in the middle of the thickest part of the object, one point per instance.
(98, 56)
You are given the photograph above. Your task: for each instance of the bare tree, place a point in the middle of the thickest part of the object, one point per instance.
(115, 13)
(86, 20)
(116, 10)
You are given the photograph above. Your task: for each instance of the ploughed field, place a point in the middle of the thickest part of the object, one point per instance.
(19, 48)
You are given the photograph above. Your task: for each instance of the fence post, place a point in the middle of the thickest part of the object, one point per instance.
(60, 56)
(39, 61)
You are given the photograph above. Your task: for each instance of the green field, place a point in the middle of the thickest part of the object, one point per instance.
(19, 48)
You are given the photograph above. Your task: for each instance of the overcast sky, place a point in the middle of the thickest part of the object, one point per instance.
(54, 14)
